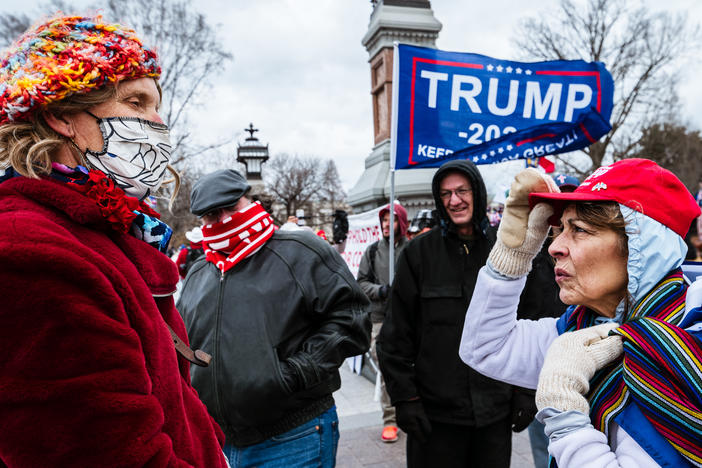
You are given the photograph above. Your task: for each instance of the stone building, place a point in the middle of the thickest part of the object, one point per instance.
(410, 22)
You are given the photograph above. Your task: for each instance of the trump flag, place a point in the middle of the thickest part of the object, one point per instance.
(450, 105)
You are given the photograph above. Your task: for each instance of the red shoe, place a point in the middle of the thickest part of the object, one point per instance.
(389, 434)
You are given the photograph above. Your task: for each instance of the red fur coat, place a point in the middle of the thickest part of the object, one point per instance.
(88, 374)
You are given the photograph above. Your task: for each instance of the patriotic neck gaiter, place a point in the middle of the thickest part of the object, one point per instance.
(236, 237)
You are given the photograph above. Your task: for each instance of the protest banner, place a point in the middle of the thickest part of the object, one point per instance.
(450, 105)
(364, 229)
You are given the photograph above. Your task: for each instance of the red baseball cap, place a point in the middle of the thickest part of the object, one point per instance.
(640, 184)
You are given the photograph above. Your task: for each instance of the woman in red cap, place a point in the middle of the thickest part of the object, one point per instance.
(618, 376)
(90, 374)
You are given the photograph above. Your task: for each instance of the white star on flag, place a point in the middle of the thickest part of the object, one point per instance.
(484, 157)
(492, 153)
(509, 147)
(489, 67)
(499, 68)
(528, 72)
(519, 71)
(509, 69)
(500, 150)
(475, 159)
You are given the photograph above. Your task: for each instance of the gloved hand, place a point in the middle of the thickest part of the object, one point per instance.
(522, 232)
(523, 408)
(383, 291)
(412, 419)
(570, 363)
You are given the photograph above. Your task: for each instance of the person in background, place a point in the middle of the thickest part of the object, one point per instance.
(617, 375)
(374, 279)
(279, 311)
(90, 372)
(698, 197)
(189, 254)
(321, 234)
(495, 213)
(692, 240)
(694, 237)
(291, 224)
(453, 416)
(422, 222)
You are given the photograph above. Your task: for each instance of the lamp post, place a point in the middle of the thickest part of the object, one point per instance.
(252, 153)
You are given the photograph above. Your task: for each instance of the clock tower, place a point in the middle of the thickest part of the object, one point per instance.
(409, 22)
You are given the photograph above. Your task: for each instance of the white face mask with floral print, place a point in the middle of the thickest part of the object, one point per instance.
(135, 154)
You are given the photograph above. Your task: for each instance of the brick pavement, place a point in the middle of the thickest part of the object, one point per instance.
(360, 424)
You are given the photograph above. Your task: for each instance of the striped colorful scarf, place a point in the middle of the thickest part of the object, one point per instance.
(238, 236)
(660, 370)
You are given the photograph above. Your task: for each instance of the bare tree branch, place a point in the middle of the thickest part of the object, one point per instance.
(298, 182)
(674, 147)
(189, 51)
(641, 49)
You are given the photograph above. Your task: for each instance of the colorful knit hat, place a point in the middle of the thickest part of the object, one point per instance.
(66, 55)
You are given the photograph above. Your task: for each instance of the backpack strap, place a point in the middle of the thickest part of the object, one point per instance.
(372, 251)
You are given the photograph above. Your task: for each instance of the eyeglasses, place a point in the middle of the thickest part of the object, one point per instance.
(461, 193)
(213, 216)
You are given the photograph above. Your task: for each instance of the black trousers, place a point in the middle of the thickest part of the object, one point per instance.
(451, 445)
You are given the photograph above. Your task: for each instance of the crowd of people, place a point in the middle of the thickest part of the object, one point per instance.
(589, 336)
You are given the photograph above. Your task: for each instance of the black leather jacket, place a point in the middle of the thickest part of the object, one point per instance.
(294, 301)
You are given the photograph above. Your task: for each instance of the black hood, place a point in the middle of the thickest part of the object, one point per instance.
(470, 170)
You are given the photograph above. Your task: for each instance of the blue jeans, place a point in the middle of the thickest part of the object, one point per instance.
(312, 444)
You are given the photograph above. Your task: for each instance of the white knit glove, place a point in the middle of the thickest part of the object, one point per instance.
(570, 363)
(522, 233)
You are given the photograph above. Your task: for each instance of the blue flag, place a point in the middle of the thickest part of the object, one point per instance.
(450, 105)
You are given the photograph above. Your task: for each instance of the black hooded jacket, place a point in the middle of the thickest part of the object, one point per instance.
(418, 344)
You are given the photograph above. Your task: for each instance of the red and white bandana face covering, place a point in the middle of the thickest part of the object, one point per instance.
(237, 236)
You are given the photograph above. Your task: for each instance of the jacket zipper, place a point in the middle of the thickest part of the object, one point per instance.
(215, 350)
(465, 247)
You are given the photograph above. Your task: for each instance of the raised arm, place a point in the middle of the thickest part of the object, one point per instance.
(494, 342)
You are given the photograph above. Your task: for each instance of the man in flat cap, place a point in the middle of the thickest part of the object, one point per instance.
(279, 312)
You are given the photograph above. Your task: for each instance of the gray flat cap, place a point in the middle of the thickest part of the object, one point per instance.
(217, 190)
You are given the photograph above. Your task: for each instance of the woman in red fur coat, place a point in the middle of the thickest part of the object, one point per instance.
(89, 372)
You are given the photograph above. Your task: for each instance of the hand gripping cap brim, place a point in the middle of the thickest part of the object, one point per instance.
(640, 184)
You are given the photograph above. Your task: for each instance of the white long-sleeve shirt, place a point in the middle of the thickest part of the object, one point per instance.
(499, 346)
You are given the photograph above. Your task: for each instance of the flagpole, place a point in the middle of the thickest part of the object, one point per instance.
(393, 154)
(391, 271)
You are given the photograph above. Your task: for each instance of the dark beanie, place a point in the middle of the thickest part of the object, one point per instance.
(217, 190)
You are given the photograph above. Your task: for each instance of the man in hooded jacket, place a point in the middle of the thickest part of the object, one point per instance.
(453, 415)
(373, 277)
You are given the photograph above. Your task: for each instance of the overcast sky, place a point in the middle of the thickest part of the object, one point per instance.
(301, 75)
